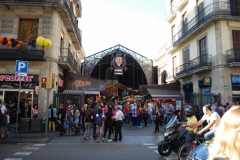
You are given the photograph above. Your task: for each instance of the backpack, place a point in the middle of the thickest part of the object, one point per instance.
(69, 115)
(161, 110)
(99, 121)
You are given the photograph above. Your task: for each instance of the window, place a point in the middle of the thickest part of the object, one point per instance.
(186, 58)
(174, 65)
(28, 29)
(173, 33)
(184, 22)
(235, 7)
(203, 46)
(200, 7)
(236, 39)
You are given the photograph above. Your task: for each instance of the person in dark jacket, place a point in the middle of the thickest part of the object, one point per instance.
(108, 124)
(61, 118)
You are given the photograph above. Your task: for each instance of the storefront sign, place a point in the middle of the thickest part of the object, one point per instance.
(60, 83)
(118, 71)
(236, 79)
(13, 78)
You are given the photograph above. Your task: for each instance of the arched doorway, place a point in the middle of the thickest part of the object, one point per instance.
(139, 68)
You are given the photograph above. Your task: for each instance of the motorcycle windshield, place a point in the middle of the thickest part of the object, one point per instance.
(171, 123)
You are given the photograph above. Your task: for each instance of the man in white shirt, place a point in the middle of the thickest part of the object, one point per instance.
(150, 110)
(213, 120)
(118, 124)
(3, 108)
(3, 111)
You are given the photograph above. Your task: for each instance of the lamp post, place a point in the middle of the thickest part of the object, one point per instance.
(46, 43)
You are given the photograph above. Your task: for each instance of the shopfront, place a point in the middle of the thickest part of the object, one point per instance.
(9, 89)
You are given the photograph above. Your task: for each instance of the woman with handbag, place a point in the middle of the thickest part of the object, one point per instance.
(88, 123)
(156, 118)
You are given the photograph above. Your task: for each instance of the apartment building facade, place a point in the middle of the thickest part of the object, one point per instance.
(25, 21)
(202, 52)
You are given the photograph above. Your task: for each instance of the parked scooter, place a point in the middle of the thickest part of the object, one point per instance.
(170, 142)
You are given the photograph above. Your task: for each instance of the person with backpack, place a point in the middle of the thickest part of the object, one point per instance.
(52, 116)
(69, 118)
(99, 124)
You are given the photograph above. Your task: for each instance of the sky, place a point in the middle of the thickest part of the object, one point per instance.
(135, 24)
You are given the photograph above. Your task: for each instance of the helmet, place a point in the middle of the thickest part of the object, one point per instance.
(190, 112)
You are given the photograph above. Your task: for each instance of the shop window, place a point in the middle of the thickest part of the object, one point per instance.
(28, 29)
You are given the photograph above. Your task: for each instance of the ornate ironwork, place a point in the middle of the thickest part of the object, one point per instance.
(25, 52)
(214, 10)
(66, 5)
(68, 59)
(91, 61)
(233, 55)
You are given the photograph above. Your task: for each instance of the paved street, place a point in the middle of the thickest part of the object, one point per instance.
(137, 143)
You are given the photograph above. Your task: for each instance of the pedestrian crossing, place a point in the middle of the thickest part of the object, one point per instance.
(29, 149)
(154, 147)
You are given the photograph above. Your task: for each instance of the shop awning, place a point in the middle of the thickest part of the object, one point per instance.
(171, 90)
(80, 92)
(92, 92)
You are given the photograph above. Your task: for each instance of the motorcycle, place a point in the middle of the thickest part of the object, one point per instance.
(170, 142)
(200, 152)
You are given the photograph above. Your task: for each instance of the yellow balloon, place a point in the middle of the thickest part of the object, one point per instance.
(47, 43)
(40, 41)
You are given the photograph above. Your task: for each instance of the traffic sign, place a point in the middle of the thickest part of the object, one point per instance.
(21, 68)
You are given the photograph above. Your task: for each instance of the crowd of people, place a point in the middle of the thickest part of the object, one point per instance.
(99, 119)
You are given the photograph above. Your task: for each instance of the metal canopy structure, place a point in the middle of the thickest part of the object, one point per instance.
(146, 64)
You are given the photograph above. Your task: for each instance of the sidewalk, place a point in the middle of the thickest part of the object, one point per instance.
(130, 134)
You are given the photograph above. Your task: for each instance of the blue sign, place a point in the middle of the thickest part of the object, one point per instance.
(21, 68)
(236, 79)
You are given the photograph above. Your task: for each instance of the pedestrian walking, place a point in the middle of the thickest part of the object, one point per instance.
(52, 116)
(108, 124)
(61, 119)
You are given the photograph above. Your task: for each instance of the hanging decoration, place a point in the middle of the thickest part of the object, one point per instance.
(43, 42)
(40, 41)
(10, 42)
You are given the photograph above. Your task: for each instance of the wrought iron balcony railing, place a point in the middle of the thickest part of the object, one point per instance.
(171, 74)
(66, 59)
(202, 60)
(66, 4)
(182, 69)
(214, 10)
(233, 55)
(25, 52)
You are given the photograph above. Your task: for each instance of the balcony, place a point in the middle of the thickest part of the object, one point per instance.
(180, 4)
(214, 11)
(170, 15)
(25, 52)
(233, 57)
(182, 70)
(199, 64)
(67, 61)
(65, 9)
(203, 62)
(170, 75)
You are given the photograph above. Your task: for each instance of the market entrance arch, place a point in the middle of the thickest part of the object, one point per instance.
(139, 68)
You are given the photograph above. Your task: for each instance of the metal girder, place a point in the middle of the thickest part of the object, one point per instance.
(146, 64)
